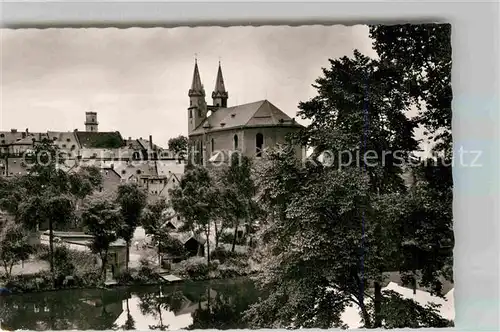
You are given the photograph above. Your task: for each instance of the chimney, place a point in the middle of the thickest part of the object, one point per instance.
(13, 131)
(150, 142)
(27, 131)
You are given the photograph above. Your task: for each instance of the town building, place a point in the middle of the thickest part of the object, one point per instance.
(218, 130)
(121, 160)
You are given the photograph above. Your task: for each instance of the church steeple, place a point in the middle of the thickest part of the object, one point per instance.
(197, 110)
(196, 86)
(220, 94)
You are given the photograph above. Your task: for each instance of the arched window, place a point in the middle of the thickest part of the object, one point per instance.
(190, 114)
(259, 142)
(212, 145)
(235, 142)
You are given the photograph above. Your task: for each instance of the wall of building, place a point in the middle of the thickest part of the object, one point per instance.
(271, 135)
(224, 140)
(110, 181)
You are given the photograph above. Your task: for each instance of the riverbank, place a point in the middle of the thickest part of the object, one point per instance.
(226, 266)
(37, 283)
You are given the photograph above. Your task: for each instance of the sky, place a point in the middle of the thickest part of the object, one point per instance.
(137, 79)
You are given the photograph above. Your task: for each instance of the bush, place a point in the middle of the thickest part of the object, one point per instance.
(125, 278)
(29, 283)
(146, 274)
(228, 238)
(41, 252)
(194, 268)
(224, 255)
(63, 264)
(229, 271)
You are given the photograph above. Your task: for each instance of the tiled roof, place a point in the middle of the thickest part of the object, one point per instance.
(104, 140)
(260, 113)
(133, 144)
(166, 168)
(8, 137)
(186, 236)
(145, 144)
(146, 168)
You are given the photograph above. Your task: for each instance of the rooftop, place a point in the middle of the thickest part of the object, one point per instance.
(257, 114)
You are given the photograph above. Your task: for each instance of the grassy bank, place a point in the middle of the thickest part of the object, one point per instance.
(78, 270)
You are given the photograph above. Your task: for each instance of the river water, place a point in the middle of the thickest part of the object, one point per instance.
(188, 305)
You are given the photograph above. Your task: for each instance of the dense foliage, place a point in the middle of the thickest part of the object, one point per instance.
(132, 200)
(178, 145)
(338, 223)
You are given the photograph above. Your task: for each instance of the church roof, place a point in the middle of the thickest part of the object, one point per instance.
(257, 114)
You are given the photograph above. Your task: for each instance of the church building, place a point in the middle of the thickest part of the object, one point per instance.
(217, 130)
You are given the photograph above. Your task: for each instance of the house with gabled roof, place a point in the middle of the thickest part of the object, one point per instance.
(248, 129)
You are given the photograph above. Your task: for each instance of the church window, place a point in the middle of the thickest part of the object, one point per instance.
(2, 135)
(259, 142)
(199, 113)
(212, 145)
(191, 113)
(235, 142)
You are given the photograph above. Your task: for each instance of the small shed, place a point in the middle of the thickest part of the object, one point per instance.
(193, 243)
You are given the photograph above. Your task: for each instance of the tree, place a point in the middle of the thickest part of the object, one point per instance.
(132, 201)
(84, 182)
(236, 195)
(103, 220)
(178, 145)
(154, 223)
(194, 201)
(45, 196)
(14, 246)
(422, 55)
(332, 229)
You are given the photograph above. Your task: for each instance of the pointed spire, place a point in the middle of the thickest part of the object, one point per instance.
(220, 94)
(219, 82)
(196, 86)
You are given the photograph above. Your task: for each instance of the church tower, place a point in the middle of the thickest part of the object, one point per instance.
(91, 121)
(220, 94)
(197, 110)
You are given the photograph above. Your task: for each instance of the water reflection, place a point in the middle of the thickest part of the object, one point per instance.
(205, 305)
